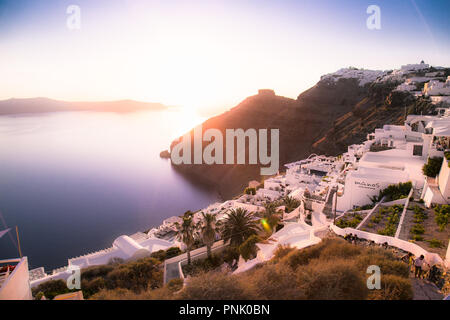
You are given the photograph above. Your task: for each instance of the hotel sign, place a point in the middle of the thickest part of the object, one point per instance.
(366, 185)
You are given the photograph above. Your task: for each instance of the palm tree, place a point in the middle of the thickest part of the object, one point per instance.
(290, 203)
(208, 231)
(238, 226)
(270, 216)
(186, 233)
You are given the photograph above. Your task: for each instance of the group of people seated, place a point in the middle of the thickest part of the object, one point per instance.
(352, 238)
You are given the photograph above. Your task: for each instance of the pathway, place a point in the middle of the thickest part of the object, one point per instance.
(425, 290)
(171, 270)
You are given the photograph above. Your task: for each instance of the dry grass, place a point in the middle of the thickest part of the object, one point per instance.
(332, 269)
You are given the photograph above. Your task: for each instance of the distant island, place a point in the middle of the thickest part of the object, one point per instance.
(44, 105)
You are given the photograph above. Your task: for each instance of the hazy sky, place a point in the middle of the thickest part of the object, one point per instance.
(206, 54)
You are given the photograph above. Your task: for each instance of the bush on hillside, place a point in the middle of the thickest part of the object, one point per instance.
(432, 167)
(396, 191)
(332, 280)
(272, 282)
(442, 216)
(248, 248)
(213, 286)
(392, 288)
(51, 289)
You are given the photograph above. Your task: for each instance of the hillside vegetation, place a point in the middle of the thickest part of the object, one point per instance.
(333, 269)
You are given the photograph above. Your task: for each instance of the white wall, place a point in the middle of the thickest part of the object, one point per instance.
(444, 180)
(17, 285)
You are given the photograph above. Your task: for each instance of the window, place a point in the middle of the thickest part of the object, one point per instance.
(417, 150)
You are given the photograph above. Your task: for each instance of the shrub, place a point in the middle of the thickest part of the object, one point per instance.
(419, 214)
(333, 279)
(202, 266)
(175, 285)
(339, 249)
(213, 286)
(51, 289)
(138, 275)
(351, 220)
(91, 287)
(442, 216)
(281, 251)
(248, 248)
(229, 254)
(96, 271)
(159, 255)
(432, 167)
(117, 294)
(249, 191)
(417, 238)
(162, 255)
(393, 218)
(435, 243)
(172, 252)
(272, 281)
(417, 229)
(302, 257)
(392, 288)
(396, 191)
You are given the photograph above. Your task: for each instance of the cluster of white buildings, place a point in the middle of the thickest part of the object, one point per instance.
(428, 84)
(363, 76)
(399, 153)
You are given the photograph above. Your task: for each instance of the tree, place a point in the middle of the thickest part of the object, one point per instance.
(208, 231)
(186, 233)
(432, 167)
(250, 191)
(248, 248)
(290, 203)
(238, 226)
(270, 216)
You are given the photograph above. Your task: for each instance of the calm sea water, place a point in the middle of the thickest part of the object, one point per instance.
(74, 181)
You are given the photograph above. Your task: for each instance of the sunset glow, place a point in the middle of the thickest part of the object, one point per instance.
(207, 55)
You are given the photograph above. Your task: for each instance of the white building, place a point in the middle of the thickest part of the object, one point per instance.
(414, 67)
(128, 248)
(436, 88)
(15, 279)
(404, 151)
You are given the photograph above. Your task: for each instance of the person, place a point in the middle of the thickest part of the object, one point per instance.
(418, 264)
(355, 239)
(385, 245)
(349, 237)
(434, 274)
(408, 258)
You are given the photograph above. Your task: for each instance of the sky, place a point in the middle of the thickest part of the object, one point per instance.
(206, 55)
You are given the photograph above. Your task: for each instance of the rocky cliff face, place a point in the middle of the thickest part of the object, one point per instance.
(324, 119)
